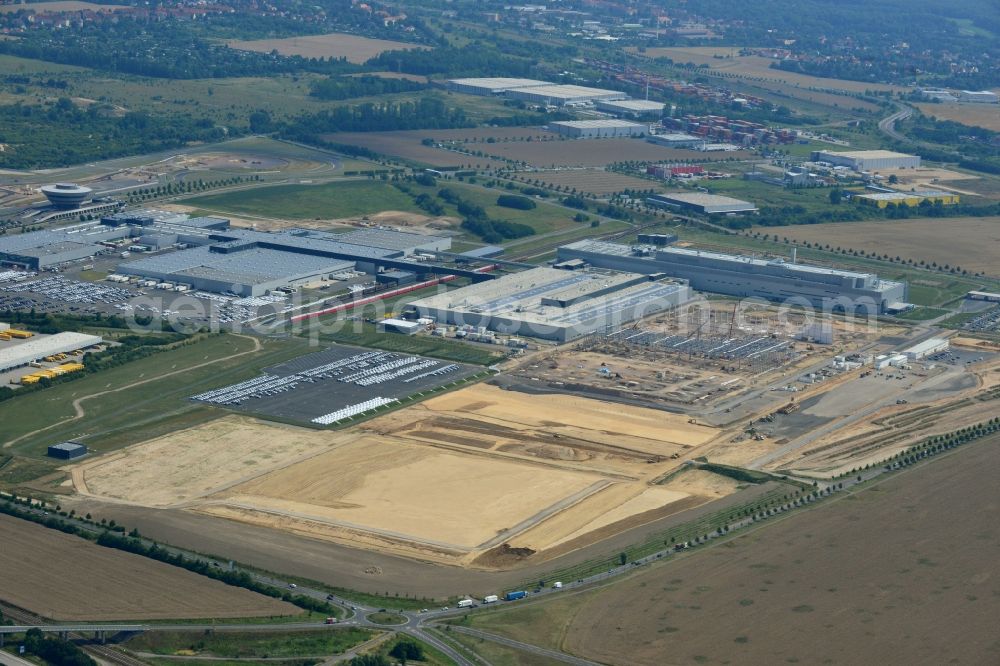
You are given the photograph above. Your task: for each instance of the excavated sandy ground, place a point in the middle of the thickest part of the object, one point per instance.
(447, 480)
(413, 492)
(192, 463)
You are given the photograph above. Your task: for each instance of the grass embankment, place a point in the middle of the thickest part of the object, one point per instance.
(244, 645)
(497, 654)
(543, 624)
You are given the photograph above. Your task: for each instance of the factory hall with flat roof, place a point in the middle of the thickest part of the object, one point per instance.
(829, 289)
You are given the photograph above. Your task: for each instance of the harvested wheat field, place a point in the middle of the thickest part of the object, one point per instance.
(968, 242)
(979, 115)
(335, 45)
(83, 581)
(192, 463)
(898, 573)
(599, 152)
(593, 181)
(727, 59)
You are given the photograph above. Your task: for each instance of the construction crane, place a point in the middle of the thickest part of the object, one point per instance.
(732, 319)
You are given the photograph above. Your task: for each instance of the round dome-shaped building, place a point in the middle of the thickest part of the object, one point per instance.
(66, 195)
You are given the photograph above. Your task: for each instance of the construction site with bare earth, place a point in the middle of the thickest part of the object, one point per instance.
(566, 446)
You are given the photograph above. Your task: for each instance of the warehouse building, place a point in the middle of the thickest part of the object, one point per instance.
(67, 450)
(40, 249)
(554, 304)
(598, 129)
(978, 96)
(829, 289)
(710, 204)
(38, 347)
(678, 140)
(632, 108)
(867, 160)
(564, 95)
(926, 348)
(252, 263)
(883, 199)
(493, 86)
(401, 326)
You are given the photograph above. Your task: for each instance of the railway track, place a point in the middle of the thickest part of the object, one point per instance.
(104, 653)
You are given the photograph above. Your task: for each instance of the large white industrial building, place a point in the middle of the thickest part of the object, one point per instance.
(829, 289)
(492, 86)
(926, 348)
(632, 108)
(678, 140)
(543, 92)
(979, 96)
(554, 304)
(563, 95)
(867, 160)
(598, 129)
(711, 204)
(38, 347)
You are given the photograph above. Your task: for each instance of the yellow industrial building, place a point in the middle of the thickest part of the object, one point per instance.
(912, 199)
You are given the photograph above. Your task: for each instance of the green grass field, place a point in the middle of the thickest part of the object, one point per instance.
(250, 645)
(497, 654)
(422, 345)
(300, 202)
(765, 195)
(544, 218)
(156, 406)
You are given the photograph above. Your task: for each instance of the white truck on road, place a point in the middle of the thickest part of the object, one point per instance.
(489, 599)
(466, 603)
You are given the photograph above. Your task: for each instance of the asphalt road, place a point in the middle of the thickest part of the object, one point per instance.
(888, 124)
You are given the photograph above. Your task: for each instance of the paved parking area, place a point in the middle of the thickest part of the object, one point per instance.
(337, 384)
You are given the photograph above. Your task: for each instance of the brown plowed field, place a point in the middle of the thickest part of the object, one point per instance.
(64, 577)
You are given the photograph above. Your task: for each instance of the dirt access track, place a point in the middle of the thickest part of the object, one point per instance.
(83, 581)
(535, 478)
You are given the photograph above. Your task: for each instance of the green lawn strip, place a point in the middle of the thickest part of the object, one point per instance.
(421, 345)
(238, 645)
(387, 618)
(922, 314)
(497, 654)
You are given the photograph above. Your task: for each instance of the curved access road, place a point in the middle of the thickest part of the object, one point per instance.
(888, 124)
(79, 412)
